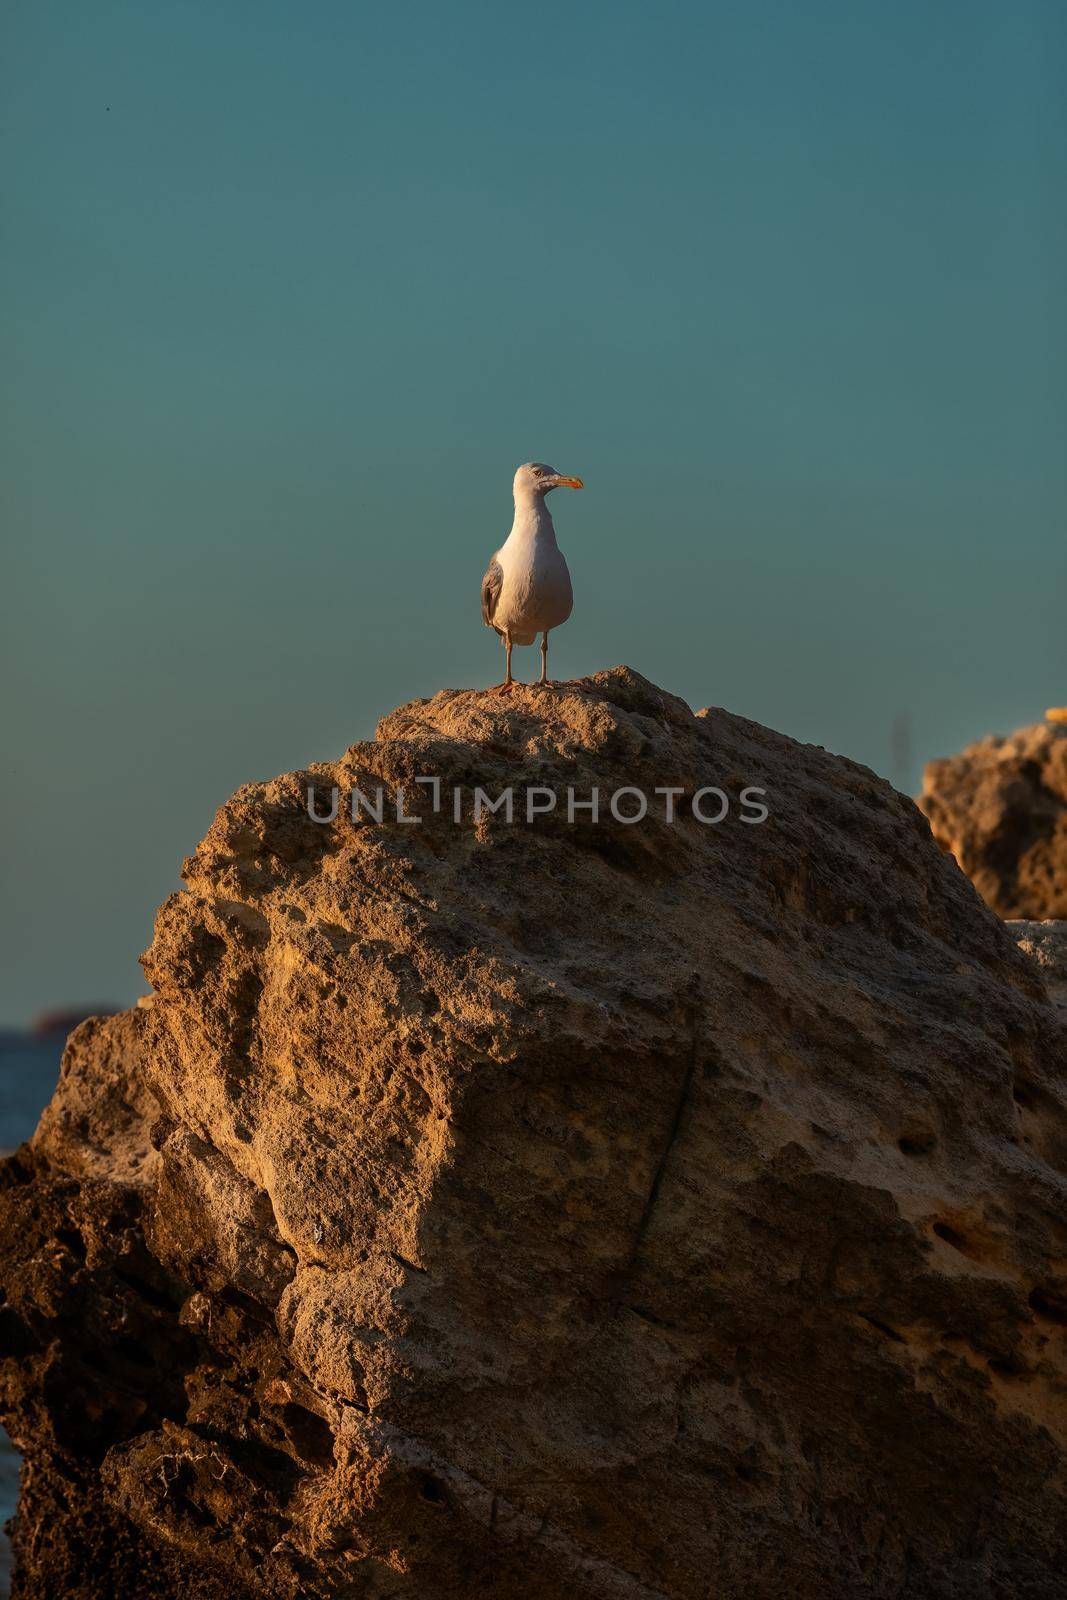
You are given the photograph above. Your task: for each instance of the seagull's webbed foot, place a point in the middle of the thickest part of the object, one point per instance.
(503, 688)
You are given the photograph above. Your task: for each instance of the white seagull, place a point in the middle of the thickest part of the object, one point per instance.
(527, 589)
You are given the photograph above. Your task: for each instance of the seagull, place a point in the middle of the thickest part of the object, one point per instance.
(527, 589)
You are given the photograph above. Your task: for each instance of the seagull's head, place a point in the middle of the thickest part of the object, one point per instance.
(535, 478)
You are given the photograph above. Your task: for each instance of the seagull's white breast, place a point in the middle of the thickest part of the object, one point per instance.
(536, 590)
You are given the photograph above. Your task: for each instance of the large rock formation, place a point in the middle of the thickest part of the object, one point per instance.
(553, 1209)
(1000, 807)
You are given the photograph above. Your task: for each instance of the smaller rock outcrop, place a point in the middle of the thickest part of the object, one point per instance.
(1046, 943)
(1000, 807)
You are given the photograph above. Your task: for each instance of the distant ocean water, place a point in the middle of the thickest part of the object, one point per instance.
(29, 1068)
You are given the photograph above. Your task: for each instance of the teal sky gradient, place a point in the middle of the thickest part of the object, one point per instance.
(289, 290)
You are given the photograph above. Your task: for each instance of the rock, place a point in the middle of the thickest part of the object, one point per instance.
(1046, 943)
(98, 1122)
(1000, 807)
(560, 1209)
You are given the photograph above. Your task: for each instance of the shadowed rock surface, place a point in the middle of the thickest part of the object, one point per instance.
(553, 1210)
(1000, 807)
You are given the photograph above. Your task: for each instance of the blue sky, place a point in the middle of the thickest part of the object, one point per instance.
(290, 290)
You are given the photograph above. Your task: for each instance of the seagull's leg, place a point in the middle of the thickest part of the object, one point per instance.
(509, 682)
(544, 659)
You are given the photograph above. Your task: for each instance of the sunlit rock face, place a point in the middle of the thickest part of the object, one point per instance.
(1000, 807)
(552, 1208)
(1046, 944)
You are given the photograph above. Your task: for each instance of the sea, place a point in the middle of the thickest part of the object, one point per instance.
(29, 1068)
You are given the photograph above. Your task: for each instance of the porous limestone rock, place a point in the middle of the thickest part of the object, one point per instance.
(1046, 944)
(1000, 807)
(563, 1209)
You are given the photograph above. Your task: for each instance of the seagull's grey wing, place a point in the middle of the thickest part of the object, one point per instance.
(492, 584)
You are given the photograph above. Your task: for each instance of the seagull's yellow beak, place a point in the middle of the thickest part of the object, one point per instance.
(572, 483)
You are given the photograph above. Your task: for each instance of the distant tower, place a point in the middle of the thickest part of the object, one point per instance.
(900, 768)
